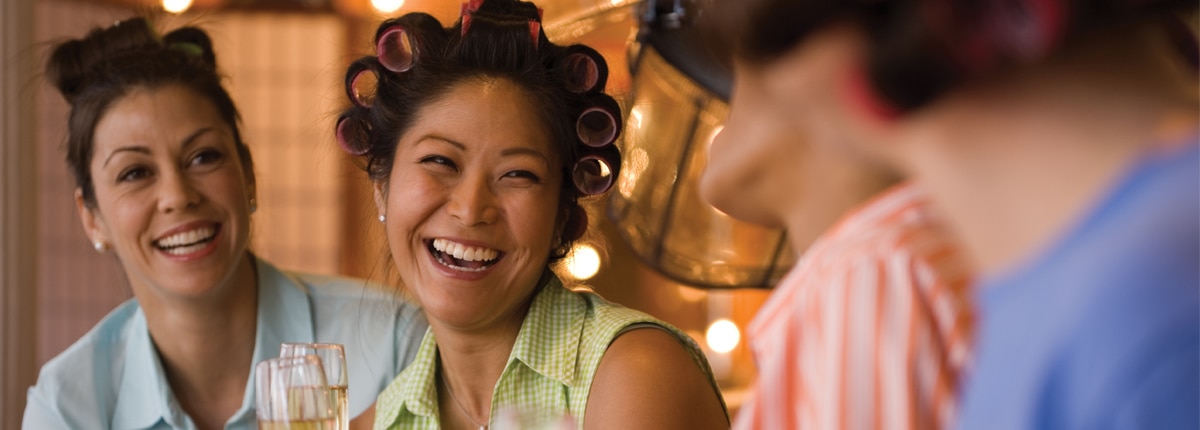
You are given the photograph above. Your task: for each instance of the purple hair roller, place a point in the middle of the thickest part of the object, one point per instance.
(597, 127)
(596, 172)
(360, 96)
(395, 49)
(350, 137)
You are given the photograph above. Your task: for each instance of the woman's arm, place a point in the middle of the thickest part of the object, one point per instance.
(647, 380)
(365, 420)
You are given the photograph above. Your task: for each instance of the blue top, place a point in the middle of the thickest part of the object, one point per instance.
(1102, 331)
(112, 377)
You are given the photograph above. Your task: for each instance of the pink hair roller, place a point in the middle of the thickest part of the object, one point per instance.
(395, 49)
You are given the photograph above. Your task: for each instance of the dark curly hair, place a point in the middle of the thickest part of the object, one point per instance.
(108, 63)
(418, 61)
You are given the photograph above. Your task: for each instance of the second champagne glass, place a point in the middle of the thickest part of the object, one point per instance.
(333, 355)
(291, 394)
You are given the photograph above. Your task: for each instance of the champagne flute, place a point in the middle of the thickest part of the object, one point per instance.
(333, 355)
(291, 394)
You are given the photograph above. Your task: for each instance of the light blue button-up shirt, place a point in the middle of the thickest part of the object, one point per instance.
(112, 377)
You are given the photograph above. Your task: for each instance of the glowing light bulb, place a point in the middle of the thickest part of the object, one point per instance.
(584, 262)
(176, 6)
(387, 6)
(723, 336)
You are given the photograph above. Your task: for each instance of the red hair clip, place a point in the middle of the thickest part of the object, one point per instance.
(863, 96)
(535, 30)
(468, 8)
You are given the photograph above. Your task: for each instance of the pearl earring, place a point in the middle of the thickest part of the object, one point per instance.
(253, 205)
(100, 246)
(382, 218)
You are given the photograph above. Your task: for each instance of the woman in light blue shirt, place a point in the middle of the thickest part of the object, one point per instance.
(165, 183)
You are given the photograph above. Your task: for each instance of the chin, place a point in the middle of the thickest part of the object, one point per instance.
(455, 314)
(759, 218)
(718, 193)
(740, 207)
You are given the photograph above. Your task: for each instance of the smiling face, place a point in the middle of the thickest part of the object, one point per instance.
(472, 204)
(172, 195)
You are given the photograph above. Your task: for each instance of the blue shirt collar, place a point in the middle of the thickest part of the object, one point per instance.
(284, 315)
(145, 396)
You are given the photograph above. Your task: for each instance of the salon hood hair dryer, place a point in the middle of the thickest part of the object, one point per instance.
(679, 104)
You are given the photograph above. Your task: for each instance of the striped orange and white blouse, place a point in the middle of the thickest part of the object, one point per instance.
(871, 329)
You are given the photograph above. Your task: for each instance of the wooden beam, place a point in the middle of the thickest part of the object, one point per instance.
(18, 205)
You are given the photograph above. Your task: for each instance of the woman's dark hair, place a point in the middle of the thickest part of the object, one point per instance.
(417, 61)
(109, 63)
(919, 49)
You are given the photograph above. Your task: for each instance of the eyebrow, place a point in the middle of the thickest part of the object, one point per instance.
(187, 141)
(506, 152)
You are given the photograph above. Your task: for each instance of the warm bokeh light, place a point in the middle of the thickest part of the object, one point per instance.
(692, 295)
(723, 336)
(634, 166)
(713, 136)
(583, 262)
(176, 6)
(387, 6)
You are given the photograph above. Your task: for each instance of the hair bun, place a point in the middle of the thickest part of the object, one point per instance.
(197, 39)
(66, 68)
(70, 62)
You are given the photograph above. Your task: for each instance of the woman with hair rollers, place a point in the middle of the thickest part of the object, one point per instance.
(480, 138)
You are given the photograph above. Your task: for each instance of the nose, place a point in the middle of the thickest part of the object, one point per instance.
(473, 201)
(176, 192)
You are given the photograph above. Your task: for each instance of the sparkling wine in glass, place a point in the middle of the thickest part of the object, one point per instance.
(333, 355)
(291, 394)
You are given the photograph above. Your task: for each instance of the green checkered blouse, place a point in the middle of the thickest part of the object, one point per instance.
(549, 372)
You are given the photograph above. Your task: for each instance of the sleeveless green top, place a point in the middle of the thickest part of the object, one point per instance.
(549, 372)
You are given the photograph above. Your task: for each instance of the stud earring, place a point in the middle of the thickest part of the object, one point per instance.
(253, 205)
(100, 246)
(382, 218)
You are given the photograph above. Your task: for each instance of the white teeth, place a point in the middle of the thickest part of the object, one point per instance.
(184, 250)
(464, 252)
(186, 239)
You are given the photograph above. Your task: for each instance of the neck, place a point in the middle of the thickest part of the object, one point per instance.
(471, 362)
(822, 186)
(1014, 164)
(206, 346)
(825, 193)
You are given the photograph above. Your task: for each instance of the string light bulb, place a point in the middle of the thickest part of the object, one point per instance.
(176, 6)
(722, 336)
(584, 262)
(387, 6)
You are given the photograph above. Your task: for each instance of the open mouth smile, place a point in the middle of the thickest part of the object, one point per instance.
(463, 258)
(187, 242)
